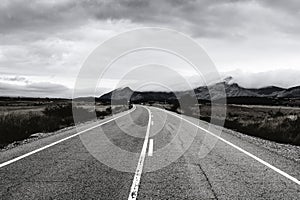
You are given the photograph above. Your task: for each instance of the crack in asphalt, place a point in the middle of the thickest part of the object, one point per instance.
(209, 183)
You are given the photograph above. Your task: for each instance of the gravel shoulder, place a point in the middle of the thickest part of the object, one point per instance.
(288, 151)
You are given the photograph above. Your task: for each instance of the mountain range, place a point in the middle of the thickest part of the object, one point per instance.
(212, 92)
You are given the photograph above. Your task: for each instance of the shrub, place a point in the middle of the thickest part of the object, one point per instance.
(18, 126)
(269, 124)
(281, 130)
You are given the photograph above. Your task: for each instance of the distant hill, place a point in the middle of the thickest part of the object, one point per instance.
(293, 92)
(126, 94)
(118, 94)
(234, 92)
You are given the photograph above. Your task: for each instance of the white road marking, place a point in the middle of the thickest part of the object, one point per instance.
(152, 123)
(64, 139)
(138, 172)
(150, 150)
(238, 148)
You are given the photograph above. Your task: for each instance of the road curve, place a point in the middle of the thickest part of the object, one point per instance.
(175, 168)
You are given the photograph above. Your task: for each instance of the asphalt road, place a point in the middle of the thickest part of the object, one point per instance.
(146, 153)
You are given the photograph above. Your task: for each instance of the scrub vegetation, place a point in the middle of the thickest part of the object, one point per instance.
(20, 119)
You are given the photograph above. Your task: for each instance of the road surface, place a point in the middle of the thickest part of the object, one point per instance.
(63, 167)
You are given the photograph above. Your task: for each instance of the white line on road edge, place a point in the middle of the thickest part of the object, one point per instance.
(64, 139)
(150, 151)
(138, 172)
(239, 148)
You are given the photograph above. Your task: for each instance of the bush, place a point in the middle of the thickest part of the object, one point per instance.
(18, 126)
(281, 130)
(275, 125)
(278, 114)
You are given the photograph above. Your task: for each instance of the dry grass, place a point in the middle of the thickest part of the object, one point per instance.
(19, 122)
(280, 124)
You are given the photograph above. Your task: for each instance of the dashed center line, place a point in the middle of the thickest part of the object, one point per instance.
(150, 151)
(138, 172)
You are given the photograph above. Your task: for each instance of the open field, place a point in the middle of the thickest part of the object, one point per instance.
(19, 120)
(275, 123)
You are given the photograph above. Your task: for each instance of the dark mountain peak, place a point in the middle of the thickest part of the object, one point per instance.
(294, 88)
(119, 93)
(267, 91)
(232, 85)
(228, 79)
(293, 92)
(214, 91)
(226, 85)
(122, 93)
(125, 89)
(273, 88)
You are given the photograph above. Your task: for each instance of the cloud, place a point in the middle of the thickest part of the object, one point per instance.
(50, 39)
(18, 15)
(14, 79)
(42, 89)
(202, 18)
(279, 78)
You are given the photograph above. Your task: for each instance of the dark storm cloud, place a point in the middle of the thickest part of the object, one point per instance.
(18, 15)
(51, 38)
(208, 18)
(290, 6)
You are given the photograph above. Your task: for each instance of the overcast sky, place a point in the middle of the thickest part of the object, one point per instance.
(43, 43)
